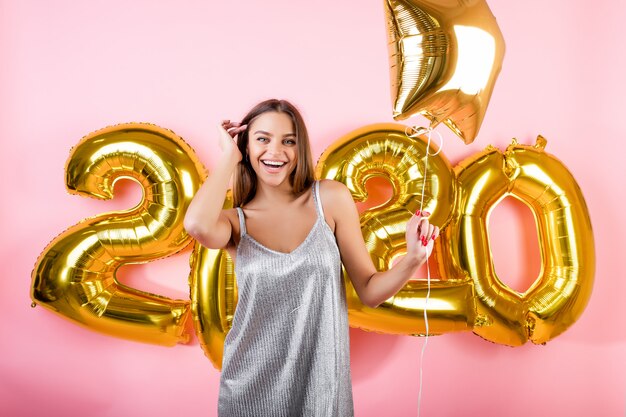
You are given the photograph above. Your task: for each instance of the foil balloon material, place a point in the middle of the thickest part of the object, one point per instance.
(561, 291)
(75, 274)
(213, 297)
(444, 59)
(385, 150)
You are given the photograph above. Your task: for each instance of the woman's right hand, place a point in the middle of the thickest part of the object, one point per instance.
(227, 132)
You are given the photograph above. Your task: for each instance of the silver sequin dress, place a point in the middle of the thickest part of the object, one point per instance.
(288, 351)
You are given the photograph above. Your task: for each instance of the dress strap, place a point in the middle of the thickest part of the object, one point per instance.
(318, 200)
(242, 222)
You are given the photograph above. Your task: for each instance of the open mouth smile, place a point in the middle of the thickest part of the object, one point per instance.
(273, 164)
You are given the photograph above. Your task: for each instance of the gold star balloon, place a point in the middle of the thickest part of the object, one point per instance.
(444, 57)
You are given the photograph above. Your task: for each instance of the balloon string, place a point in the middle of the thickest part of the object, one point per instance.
(419, 395)
(416, 132)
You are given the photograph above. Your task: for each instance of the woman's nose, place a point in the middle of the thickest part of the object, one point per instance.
(275, 147)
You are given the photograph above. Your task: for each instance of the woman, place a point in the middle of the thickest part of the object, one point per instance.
(287, 353)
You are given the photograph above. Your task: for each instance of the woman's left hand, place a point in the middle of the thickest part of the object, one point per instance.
(420, 236)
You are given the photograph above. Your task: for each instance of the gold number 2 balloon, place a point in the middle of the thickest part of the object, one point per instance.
(445, 56)
(75, 274)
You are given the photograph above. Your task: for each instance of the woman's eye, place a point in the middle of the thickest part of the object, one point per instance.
(262, 139)
(289, 142)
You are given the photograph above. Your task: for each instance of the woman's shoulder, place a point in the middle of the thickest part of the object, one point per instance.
(335, 193)
(332, 186)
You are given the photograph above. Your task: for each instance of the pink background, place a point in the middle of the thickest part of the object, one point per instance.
(69, 67)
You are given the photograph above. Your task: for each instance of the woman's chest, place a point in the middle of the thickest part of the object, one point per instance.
(283, 233)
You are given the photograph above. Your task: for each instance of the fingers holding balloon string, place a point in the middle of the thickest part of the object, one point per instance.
(413, 224)
(423, 227)
(425, 231)
(435, 233)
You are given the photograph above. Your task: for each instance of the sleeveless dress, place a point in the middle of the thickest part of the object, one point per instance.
(288, 351)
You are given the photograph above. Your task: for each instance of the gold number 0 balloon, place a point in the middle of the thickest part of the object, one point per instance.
(75, 275)
(560, 293)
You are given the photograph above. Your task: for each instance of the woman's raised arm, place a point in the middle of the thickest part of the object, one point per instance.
(204, 219)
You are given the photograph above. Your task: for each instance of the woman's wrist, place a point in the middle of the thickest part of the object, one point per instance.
(413, 261)
(231, 158)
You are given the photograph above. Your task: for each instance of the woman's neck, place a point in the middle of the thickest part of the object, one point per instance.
(266, 195)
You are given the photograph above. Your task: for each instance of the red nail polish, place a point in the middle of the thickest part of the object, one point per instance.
(426, 214)
(433, 237)
(417, 213)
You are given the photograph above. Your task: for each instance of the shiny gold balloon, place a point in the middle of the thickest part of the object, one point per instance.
(213, 297)
(384, 150)
(562, 290)
(75, 274)
(444, 59)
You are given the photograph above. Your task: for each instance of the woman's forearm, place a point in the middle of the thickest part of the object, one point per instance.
(383, 285)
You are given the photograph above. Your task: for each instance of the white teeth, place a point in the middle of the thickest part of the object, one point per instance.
(274, 163)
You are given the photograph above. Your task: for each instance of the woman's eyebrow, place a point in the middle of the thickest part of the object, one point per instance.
(263, 132)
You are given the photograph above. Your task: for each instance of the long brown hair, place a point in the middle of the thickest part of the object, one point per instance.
(245, 181)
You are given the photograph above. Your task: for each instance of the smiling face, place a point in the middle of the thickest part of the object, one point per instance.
(276, 149)
(272, 148)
